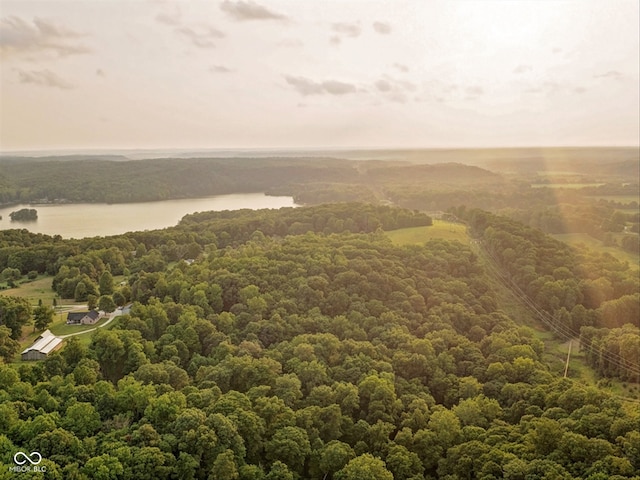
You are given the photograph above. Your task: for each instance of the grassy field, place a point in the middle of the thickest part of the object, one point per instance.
(565, 185)
(439, 229)
(595, 244)
(61, 328)
(38, 289)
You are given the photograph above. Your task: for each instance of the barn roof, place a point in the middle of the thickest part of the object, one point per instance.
(45, 343)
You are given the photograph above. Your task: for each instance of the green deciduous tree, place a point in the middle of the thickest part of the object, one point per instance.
(106, 283)
(43, 317)
(291, 446)
(224, 467)
(82, 419)
(364, 467)
(8, 346)
(15, 312)
(334, 456)
(106, 303)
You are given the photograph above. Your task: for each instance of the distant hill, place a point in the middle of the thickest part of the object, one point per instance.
(110, 181)
(442, 173)
(62, 158)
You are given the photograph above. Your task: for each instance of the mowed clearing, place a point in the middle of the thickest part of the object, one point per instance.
(440, 229)
(588, 241)
(39, 289)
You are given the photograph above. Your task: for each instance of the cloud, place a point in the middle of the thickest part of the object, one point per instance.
(382, 28)
(347, 29)
(522, 69)
(614, 74)
(248, 10)
(342, 30)
(401, 67)
(394, 90)
(383, 85)
(220, 69)
(334, 87)
(43, 36)
(202, 36)
(306, 86)
(43, 78)
(170, 20)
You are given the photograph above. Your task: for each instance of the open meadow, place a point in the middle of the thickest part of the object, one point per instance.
(439, 230)
(577, 239)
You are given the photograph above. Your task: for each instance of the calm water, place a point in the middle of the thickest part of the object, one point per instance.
(100, 219)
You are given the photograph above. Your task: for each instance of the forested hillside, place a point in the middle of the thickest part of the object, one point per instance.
(593, 197)
(303, 344)
(158, 179)
(99, 180)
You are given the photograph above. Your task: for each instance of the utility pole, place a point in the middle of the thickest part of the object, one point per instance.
(566, 367)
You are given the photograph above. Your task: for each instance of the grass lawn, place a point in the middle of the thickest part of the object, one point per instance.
(565, 185)
(420, 235)
(38, 289)
(60, 327)
(595, 244)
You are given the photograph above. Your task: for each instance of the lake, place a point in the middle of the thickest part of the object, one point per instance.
(79, 220)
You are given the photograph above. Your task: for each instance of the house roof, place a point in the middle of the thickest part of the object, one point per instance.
(93, 314)
(45, 343)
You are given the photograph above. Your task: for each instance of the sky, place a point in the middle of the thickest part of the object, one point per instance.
(113, 74)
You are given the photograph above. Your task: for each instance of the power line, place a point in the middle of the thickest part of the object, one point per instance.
(558, 327)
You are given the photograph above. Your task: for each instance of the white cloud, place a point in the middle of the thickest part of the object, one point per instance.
(382, 28)
(43, 78)
(402, 68)
(347, 29)
(170, 20)
(383, 85)
(201, 36)
(39, 36)
(344, 30)
(306, 86)
(249, 10)
(220, 69)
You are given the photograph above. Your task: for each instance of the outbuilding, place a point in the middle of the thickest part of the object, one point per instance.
(46, 343)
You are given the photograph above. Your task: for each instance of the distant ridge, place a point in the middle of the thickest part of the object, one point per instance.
(64, 158)
(443, 173)
(475, 156)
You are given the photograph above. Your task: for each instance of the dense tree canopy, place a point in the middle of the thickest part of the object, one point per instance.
(304, 344)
